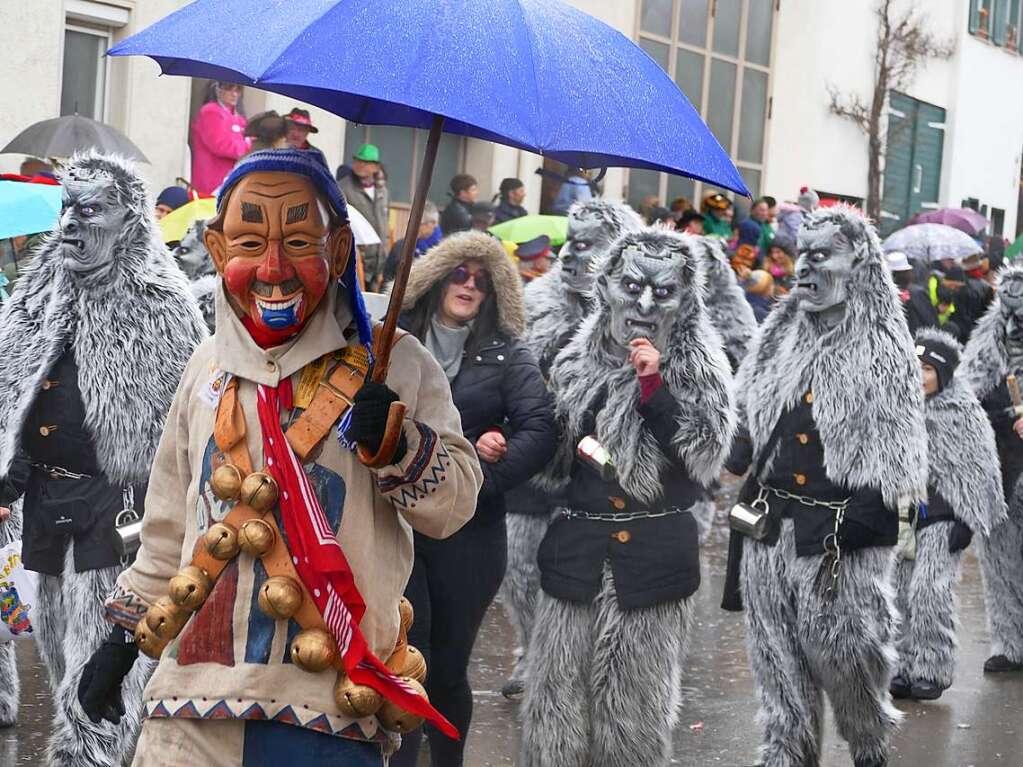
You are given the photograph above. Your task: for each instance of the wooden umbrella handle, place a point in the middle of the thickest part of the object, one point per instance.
(389, 443)
(384, 341)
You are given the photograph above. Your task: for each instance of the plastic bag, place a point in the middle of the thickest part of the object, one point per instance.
(18, 589)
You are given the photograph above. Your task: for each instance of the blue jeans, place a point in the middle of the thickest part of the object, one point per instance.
(272, 744)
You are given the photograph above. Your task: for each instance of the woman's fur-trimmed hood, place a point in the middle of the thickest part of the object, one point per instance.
(694, 369)
(132, 333)
(436, 264)
(868, 397)
(963, 461)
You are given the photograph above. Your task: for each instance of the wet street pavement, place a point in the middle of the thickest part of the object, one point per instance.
(979, 722)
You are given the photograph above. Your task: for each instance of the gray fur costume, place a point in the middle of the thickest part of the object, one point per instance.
(867, 405)
(132, 331)
(987, 360)
(732, 316)
(553, 311)
(963, 469)
(194, 260)
(603, 682)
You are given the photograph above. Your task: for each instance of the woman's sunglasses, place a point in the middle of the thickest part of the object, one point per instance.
(461, 274)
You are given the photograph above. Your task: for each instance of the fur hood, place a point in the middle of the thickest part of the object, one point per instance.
(868, 397)
(694, 369)
(438, 261)
(963, 462)
(985, 361)
(729, 311)
(131, 335)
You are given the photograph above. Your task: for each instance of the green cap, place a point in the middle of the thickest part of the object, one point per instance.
(368, 153)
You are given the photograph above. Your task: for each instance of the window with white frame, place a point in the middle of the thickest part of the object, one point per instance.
(719, 53)
(84, 84)
(997, 21)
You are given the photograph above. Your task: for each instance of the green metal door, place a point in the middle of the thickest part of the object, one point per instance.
(912, 174)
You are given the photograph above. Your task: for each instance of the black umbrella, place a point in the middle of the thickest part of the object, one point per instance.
(63, 136)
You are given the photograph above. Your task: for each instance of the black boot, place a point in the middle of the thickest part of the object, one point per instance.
(924, 690)
(871, 762)
(899, 687)
(999, 664)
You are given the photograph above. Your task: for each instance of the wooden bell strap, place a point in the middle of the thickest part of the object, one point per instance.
(237, 517)
(229, 429)
(334, 395)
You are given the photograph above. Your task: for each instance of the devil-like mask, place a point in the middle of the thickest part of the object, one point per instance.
(91, 218)
(641, 285)
(826, 260)
(277, 250)
(588, 237)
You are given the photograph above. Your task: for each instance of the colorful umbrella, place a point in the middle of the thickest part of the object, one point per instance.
(932, 242)
(529, 227)
(27, 208)
(964, 219)
(63, 136)
(177, 222)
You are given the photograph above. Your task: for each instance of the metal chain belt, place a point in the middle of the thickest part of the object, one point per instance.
(58, 472)
(838, 506)
(619, 516)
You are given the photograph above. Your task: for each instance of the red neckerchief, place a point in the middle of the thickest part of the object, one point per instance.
(323, 567)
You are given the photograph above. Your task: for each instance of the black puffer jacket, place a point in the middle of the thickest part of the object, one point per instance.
(499, 385)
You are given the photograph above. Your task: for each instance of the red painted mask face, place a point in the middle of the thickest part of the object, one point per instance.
(276, 252)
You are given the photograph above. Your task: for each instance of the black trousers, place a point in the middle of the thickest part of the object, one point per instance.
(453, 583)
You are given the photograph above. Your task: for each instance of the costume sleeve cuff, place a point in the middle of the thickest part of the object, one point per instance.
(124, 608)
(649, 384)
(419, 473)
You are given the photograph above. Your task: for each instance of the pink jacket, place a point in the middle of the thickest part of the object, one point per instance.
(217, 143)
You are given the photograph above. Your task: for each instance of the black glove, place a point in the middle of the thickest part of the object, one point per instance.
(959, 537)
(369, 419)
(99, 690)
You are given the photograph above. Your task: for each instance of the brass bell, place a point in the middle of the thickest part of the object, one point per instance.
(356, 700)
(397, 719)
(165, 619)
(280, 597)
(415, 665)
(406, 614)
(221, 541)
(313, 650)
(226, 482)
(256, 537)
(147, 641)
(190, 588)
(259, 491)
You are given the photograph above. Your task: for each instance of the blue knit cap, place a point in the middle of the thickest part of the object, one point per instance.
(310, 165)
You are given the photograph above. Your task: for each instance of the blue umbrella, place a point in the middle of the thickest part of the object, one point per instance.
(28, 208)
(533, 74)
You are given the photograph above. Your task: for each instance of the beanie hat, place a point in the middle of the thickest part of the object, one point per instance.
(310, 165)
(940, 351)
(173, 197)
(808, 199)
(785, 243)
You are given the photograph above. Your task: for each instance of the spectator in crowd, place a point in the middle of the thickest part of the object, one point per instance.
(511, 194)
(464, 303)
(772, 208)
(33, 166)
(780, 263)
(575, 188)
(482, 216)
(691, 222)
(946, 282)
(756, 229)
(299, 125)
(920, 312)
(218, 137)
(647, 205)
(678, 207)
(534, 257)
(717, 215)
(365, 189)
(266, 131)
(457, 216)
(661, 217)
(170, 199)
(976, 295)
(760, 293)
(429, 234)
(808, 200)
